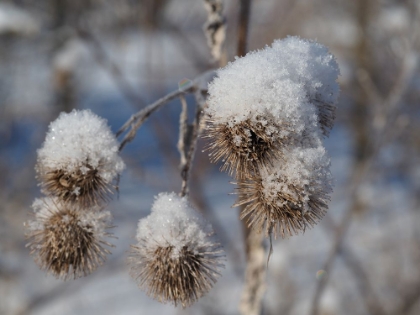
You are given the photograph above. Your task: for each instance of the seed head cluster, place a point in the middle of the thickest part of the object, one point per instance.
(177, 258)
(266, 117)
(76, 166)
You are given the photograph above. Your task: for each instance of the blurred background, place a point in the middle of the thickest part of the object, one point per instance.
(116, 56)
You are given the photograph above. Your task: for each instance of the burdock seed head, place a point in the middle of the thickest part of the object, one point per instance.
(244, 146)
(290, 197)
(67, 241)
(267, 100)
(79, 159)
(176, 258)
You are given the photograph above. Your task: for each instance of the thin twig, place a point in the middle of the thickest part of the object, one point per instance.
(184, 143)
(372, 302)
(199, 84)
(195, 133)
(136, 120)
(215, 27)
(183, 131)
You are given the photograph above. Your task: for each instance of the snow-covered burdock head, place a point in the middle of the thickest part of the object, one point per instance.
(291, 195)
(269, 99)
(177, 258)
(67, 241)
(79, 159)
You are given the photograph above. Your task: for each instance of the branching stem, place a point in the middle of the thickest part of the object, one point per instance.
(136, 120)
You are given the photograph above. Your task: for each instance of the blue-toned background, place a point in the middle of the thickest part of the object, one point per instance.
(146, 48)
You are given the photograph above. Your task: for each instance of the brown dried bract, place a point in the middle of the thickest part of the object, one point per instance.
(242, 147)
(283, 214)
(326, 116)
(180, 278)
(86, 188)
(65, 246)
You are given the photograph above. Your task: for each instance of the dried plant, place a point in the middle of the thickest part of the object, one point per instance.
(79, 160)
(84, 186)
(177, 258)
(326, 116)
(289, 197)
(244, 147)
(180, 278)
(68, 241)
(267, 119)
(215, 27)
(266, 115)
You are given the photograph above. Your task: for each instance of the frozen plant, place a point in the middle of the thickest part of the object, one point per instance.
(270, 99)
(177, 258)
(79, 159)
(290, 195)
(67, 241)
(265, 117)
(267, 113)
(76, 166)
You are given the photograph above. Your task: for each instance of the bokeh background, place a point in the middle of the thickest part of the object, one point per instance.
(116, 56)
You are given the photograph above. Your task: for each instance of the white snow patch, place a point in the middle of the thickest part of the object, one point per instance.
(285, 83)
(77, 138)
(173, 222)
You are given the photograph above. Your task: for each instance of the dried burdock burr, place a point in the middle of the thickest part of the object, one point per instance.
(79, 160)
(177, 258)
(245, 146)
(289, 197)
(67, 241)
(268, 100)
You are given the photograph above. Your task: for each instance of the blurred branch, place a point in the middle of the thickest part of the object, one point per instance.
(99, 53)
(367, 293)
(363, 170)
(254, 287)
(409, 300)
(215, 27)
(244, 17)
